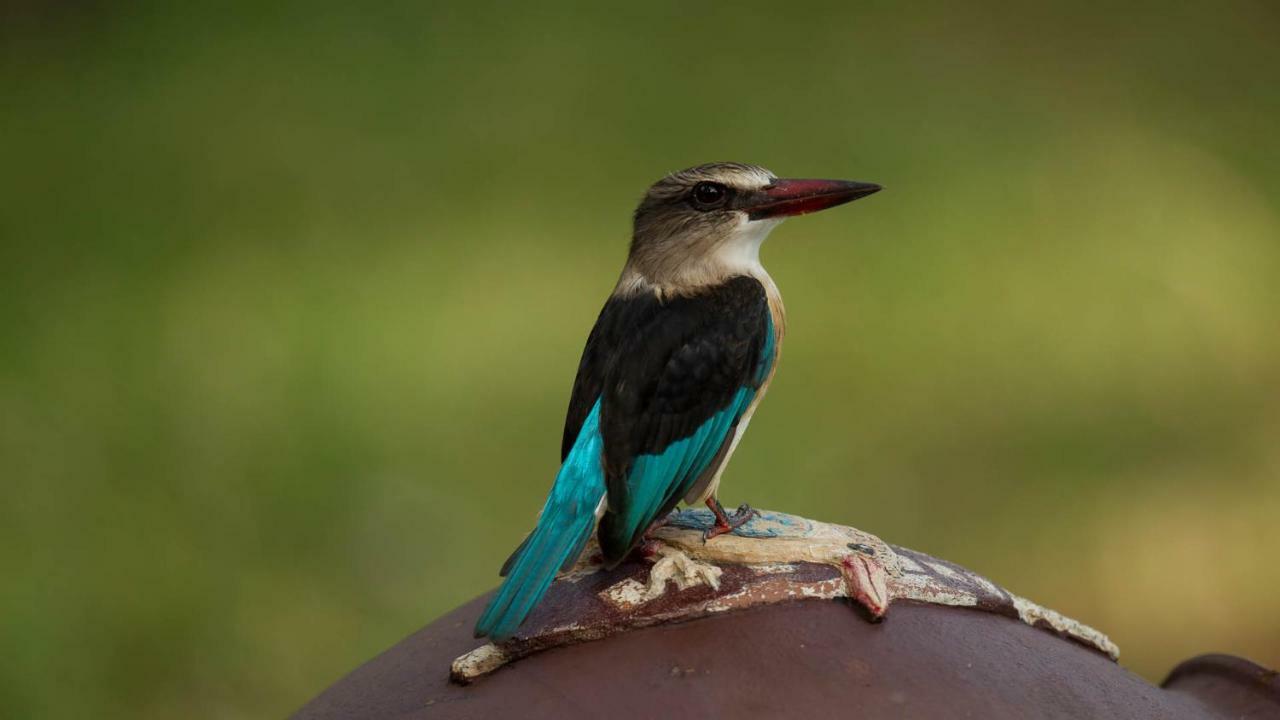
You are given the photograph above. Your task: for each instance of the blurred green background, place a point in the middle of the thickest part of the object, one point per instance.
(291, 299)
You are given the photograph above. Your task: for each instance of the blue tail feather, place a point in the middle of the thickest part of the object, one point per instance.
(563, 529)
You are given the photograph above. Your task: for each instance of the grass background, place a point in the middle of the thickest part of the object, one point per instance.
(291, 298)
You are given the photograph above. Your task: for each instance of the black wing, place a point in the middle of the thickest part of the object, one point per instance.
(661, 369)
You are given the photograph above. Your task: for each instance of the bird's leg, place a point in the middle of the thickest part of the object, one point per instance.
(657, 523)
(725, 522)
(648, 547)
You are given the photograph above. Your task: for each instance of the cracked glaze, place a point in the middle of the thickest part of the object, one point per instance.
(773, 558)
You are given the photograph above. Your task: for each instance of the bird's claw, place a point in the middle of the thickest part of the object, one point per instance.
(728, 523)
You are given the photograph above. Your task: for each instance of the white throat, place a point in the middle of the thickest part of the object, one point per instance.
(740, 253)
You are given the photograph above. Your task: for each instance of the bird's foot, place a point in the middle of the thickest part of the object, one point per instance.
(649, 548)
(726, 523)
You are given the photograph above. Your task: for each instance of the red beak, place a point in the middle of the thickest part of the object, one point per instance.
(797, 197)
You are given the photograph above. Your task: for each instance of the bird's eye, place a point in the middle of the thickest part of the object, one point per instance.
(707, 195)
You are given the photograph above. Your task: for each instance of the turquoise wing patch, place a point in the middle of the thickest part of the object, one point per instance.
(657, 481)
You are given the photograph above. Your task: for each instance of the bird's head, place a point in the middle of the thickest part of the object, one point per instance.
(699, 226)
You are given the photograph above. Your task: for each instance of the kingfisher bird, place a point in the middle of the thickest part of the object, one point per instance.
(676, 364)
